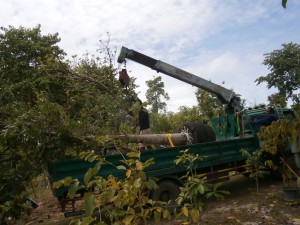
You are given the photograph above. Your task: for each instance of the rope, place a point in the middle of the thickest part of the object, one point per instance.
(240, 129)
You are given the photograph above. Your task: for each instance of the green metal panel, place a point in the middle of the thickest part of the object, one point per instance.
(224, 127)
(214, 153)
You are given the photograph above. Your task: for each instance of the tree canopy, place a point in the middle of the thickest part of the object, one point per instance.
(49, 105)
(155, 93)
(209, 105)
(284, 66)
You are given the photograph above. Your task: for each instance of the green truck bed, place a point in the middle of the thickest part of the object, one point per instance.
(216, 154)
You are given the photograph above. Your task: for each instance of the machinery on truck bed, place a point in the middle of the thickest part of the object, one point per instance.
(221, 156)
(191, 132)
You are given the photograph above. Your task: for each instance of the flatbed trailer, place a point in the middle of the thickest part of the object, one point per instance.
(219, 158)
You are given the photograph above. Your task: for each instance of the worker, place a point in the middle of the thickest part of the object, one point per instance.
(267, 119)
(144, 123)
(140, 117)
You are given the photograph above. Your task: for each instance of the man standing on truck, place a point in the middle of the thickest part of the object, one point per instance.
(140, 117)
(268, 119)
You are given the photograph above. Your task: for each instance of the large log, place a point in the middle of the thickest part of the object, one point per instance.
(191, 133)
(156, 139)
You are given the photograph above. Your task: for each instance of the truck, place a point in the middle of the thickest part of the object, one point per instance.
(222, 155)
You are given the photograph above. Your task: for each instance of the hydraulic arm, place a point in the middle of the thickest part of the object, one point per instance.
(226, 96)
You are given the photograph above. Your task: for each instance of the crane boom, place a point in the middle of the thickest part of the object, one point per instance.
(226, 96)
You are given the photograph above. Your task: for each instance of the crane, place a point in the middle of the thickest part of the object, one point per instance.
(226, 96)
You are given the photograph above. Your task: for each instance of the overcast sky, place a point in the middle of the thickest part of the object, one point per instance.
(221, 41)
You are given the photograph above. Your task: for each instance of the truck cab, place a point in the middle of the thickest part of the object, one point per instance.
(241, 124)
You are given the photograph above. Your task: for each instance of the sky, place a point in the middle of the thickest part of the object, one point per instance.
(217, 40)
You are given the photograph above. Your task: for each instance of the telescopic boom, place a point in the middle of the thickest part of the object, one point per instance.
(226, 96)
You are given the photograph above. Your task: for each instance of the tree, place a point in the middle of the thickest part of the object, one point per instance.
(47, 107)
(161, 123)
(98, 101)
(284, 65)
(34, 124)
(33, 95)
(209, 105)
(186, 115)
(30, 63)
(154, 94)
(277, 100)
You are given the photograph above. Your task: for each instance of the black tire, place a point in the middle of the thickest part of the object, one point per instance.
(167, 191)
(199, 132)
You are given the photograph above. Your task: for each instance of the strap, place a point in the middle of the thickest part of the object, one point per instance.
(169, 136)
(238, 123)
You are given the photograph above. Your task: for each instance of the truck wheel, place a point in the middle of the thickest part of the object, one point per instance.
(199, 132)
(167, 191)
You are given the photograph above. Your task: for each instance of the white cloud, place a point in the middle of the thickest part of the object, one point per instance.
(217, 40)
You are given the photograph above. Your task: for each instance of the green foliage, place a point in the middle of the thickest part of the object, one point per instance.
(277, 100)
(277, 140)
(161, 123)
(193, 195)
(30, 62)
(284, 65)
(171, 122)
(14, 208)
(279, 135)
(32, 120)
(195, 189)
(48, 105)
(209, 105)
(255, 164)
(296, 103)
(187, 114)
(154, 94)
(97, 100)
(13, 197)
(122, 201)
(190, 161)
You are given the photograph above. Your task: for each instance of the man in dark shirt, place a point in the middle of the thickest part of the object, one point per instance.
(268, 119)
(140, 117)
(144, 123)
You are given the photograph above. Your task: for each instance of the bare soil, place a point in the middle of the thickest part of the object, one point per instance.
(244, 206)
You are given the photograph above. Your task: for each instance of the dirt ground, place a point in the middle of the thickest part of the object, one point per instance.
(243, 206)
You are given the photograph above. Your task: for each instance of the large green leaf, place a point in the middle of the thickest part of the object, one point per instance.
(88, 175)
(157, 215)
(89, 203)
(151, 184)
(133, 155)
(127, 219)
(137, 183)
(195, 214)
(121, 167)
(73, 189)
